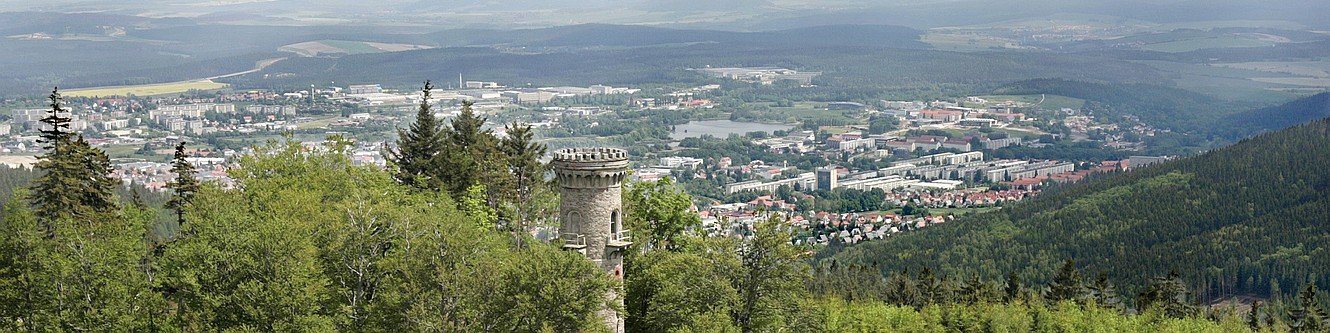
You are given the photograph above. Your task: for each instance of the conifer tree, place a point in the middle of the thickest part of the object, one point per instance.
(1169, 294)
(901, 290)
(974, 290)
(52, 191)
(185, 184)
(528, 173)
(1308, 316)
(1103, 292)
(1014, 289)
(136, 198)
(98, 188)
(1066, 283)
(415, 161)
(1256, 318)
(471, 156)
(935, 289)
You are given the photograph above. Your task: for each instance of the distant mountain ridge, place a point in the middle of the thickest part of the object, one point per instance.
(589, 35)
(1277, 117)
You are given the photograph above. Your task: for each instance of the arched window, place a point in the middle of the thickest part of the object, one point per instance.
(572, 223)
(615, 224)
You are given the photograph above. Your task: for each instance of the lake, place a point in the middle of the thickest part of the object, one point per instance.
(722, 128)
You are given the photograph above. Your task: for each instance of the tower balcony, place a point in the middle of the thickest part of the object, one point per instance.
(573, 242)
(620, 239)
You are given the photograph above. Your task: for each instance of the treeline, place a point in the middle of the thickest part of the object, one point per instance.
(973, 304)
(1199, 120)
(307, 242)
(864, 69)
(1243, 220)
(1159, 106)
(1292, 113)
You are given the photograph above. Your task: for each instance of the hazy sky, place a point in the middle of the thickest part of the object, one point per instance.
(739, 14)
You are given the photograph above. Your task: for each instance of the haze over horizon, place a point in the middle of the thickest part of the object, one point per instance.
(704, 14)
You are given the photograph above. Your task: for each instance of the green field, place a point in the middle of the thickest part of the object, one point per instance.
(1207, 43)
(804, 110)
(1296, 81)
(352, 47)
(1299, 68)
(146, 89)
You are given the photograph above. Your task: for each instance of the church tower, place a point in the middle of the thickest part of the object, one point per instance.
(591, 211)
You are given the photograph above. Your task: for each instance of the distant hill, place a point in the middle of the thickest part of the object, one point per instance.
(1233, 221)
(1160, 106)
(1177, 109)
(605, 35)
(874, 60)
(1277, 117)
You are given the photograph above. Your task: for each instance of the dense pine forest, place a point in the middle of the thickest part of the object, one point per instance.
(1250, 219)
(443, 241)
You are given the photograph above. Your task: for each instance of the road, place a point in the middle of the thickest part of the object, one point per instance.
(257, 67)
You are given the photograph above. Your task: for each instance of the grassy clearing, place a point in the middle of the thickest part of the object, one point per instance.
(321, 122)
(1296, 81)
(1208, 43)
(352, 47)
(1051, 102)
(1299, 68)
(805, 110)
(146, 89)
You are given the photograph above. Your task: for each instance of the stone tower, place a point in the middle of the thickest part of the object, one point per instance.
(591, 211)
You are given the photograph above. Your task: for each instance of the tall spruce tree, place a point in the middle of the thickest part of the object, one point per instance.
(1014, 289)
(98, 188)
(1104, 294)
(471, 155)
(416, 160)
(1066, 283)
(528, 173)
(1169, 294)
(1308, 316)
(185, 184)
(59, 192)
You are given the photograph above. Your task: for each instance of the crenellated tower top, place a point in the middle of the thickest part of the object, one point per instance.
(590, 167)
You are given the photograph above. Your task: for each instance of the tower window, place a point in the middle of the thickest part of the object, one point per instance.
(615, 224)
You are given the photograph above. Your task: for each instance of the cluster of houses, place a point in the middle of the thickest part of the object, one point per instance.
(851, 228)
(958, 198)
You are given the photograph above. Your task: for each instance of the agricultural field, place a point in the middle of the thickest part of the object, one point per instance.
(146, 89)
(1300, 68)
(346, 47)
(1213, 42)
(1296, 81)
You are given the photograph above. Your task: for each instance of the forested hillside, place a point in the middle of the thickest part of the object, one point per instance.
(1276, 117)
(1165, 107)
(845, 66)
(1247, 219)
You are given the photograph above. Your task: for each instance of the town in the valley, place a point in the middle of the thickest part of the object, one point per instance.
(840, 171)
